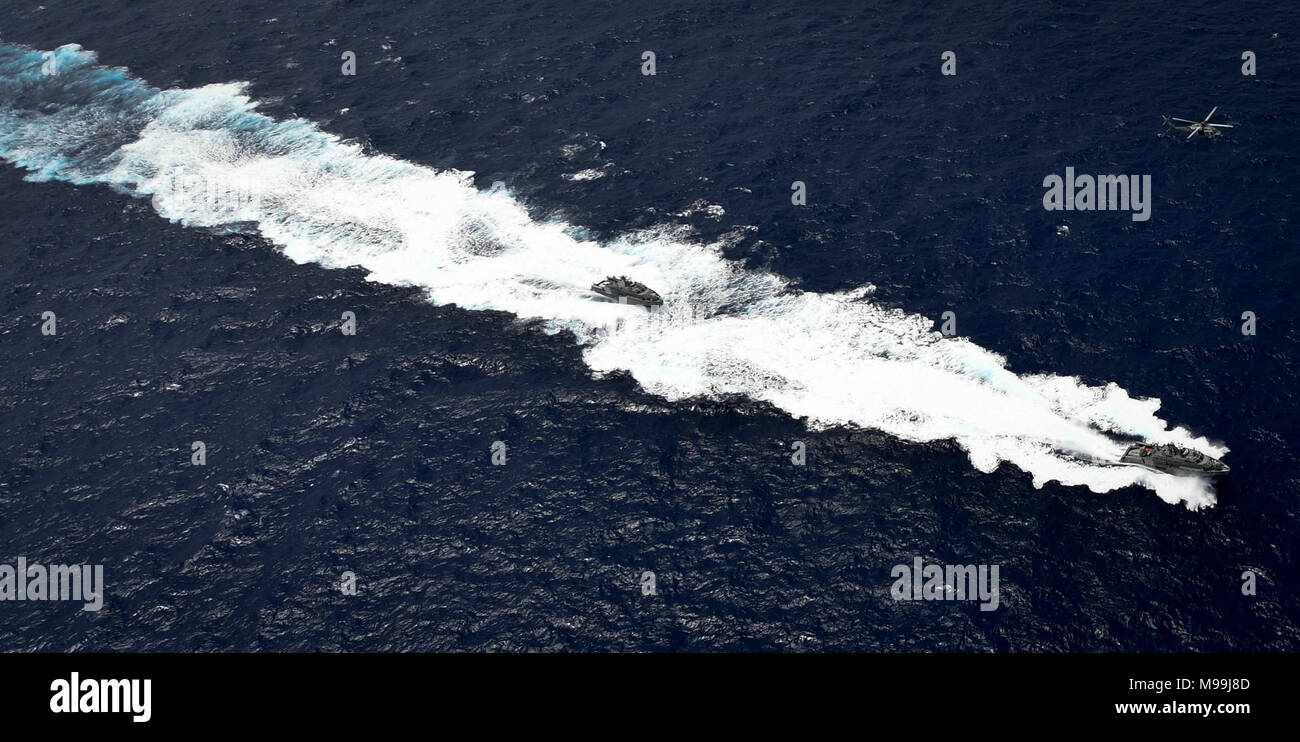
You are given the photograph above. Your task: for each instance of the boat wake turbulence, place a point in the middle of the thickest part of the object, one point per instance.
(838, 359)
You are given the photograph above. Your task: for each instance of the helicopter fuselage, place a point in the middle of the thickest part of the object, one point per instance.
(1204, 129)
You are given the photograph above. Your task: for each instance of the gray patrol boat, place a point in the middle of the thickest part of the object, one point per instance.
(1171, 459)
(626, 291)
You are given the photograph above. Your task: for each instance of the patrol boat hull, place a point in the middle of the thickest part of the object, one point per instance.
(625, 291)
(1170, 459)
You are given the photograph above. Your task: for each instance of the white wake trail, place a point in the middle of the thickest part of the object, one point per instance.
(836, 359)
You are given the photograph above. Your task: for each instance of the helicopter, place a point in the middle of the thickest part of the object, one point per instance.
(1202, 127)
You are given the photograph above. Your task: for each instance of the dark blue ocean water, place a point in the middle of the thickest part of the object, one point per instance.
(371, 453)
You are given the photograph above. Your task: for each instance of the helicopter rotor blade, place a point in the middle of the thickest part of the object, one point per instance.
(1195, 130)
(1221, 126)
(1185, 121)
(1211, 113)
